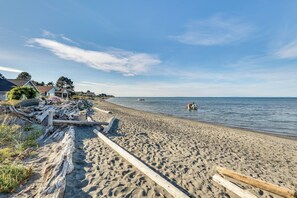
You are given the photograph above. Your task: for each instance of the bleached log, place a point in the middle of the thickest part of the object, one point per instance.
(173, 190)
(232, 187)
(104, 111)
(53, 135)
(44, 114)
(75, 122)
(50, 118)
(54, 176)
(14, 110)
(20, 114)
(108, 127)
(285, 192)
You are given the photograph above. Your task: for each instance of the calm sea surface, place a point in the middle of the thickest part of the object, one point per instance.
(270, 115)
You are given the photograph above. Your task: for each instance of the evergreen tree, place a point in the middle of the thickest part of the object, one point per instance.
(24, 76)
(64, 82)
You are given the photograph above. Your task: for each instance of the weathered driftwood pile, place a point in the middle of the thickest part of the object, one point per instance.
(70, 110)
(60, 164)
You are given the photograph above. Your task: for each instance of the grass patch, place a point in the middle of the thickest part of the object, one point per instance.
(9, 135)
(7, 155)
(14, 140)
(11, 176)
(31, 139)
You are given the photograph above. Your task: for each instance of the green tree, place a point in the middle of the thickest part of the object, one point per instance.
(64, 82)
(1, 76)
(17, 92)
(24, 76)
(50, 84)
(38, 83)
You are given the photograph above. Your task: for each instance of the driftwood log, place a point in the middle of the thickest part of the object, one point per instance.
(232, 187)
(104, 111)
(74, 122)
(108, 127)
(285, 192)
(172, 189)
(54, 177)
(44, 114)
(20, 114)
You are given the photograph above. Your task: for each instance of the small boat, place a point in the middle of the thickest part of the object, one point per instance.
(141, 99)
(192, 106)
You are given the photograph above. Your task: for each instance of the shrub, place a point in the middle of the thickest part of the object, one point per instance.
(18, 92)
(11, 176)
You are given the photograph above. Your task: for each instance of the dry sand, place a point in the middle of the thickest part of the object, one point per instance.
(100, 172)
(184, 151)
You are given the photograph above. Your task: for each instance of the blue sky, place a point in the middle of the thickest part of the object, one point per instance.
(154, 48)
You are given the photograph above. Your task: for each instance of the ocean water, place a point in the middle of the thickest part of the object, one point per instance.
(268, 115)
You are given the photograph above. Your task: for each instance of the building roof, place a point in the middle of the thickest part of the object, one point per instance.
(6, 85)
(17, 82)
(43, 89)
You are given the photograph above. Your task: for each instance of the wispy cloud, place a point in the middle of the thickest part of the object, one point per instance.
(49, 34)
(288, 51)
(9, 69)
(214, 31)
(125, 62)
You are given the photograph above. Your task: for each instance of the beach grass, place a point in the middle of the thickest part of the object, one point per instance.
(11, 176)
(15, 139)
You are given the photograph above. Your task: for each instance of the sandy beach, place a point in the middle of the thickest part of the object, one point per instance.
(184, 151)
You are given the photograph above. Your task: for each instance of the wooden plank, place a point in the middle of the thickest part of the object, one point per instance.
(232, 187)
(285, 192)
(75, 122)
(173, 190)
(104, 111)
(107, 128)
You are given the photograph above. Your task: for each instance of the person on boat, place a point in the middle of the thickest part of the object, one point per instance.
(190, 106)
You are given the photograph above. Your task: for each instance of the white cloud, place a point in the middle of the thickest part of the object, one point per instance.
(125, 62)
(9, 69)
(214, 31)
(288, 51)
